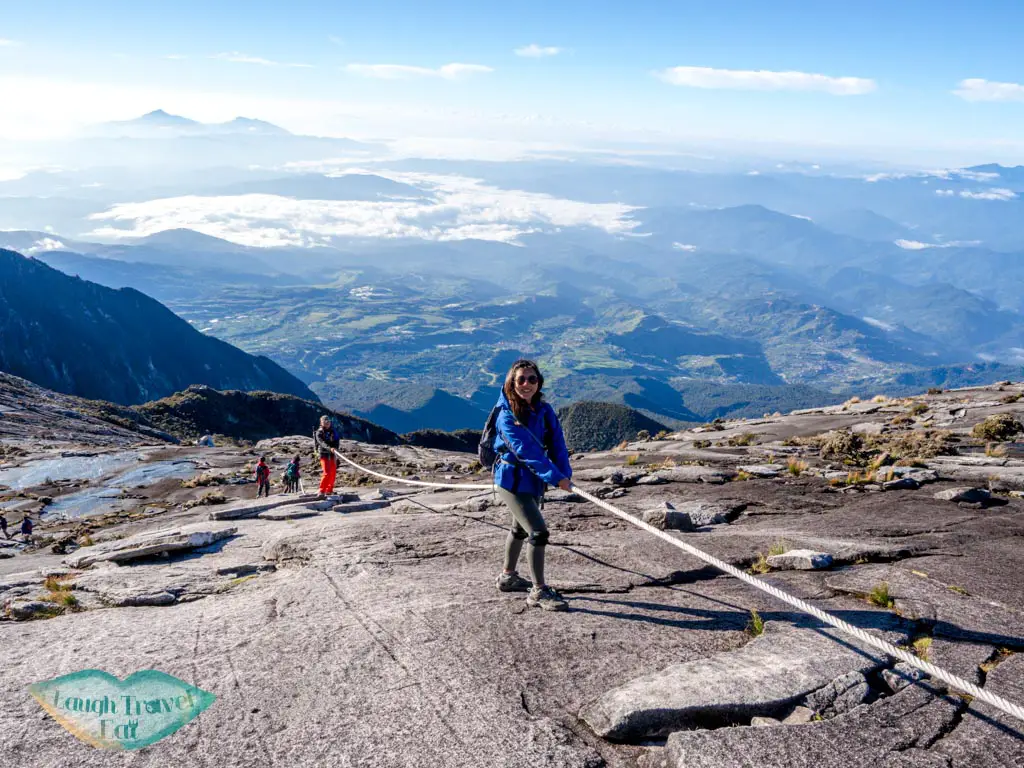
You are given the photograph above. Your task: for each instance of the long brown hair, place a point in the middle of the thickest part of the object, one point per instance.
(520, 407)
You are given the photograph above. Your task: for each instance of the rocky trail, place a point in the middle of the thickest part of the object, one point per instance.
(366, 630)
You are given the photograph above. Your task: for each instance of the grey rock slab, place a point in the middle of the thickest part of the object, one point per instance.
(252, 507)
(987, 737)
(800, 560)
(876, 736)
(652, 479)
(799, 715)
(763, 470)
(696, 474)
(966, 495)
(361, 506)
(902, 484)
(710, 512)
(868, 428)
(773, 671)
(22, 610)
(902, 675)
(150, 543)
(841, 695)
(764, 722)
(291, 512)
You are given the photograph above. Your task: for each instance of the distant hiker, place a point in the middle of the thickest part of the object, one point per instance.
(325, 442)
(531, 454)
(262, 477)
(291, 476)
(3, 526)
(26, 527)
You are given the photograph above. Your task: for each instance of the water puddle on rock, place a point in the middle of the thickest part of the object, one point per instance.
(106, 497)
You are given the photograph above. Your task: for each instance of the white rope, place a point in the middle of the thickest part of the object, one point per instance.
(949, 678)
(457, 486)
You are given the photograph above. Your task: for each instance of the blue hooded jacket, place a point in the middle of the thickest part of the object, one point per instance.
(535, 466)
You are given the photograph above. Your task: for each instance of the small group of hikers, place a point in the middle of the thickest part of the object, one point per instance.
(26, 527)
(290, 478)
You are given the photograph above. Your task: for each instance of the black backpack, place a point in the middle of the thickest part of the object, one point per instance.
(485, 450)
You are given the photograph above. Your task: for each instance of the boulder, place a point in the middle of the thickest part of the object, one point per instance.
(964, 495)
(150, 543)
(868, 428)
(667, 518)
(800, 560)
(25, 609)
(902, 675)
(653, 479)
(799, 716)
(776, 669)
(710, 512)
(696, 474)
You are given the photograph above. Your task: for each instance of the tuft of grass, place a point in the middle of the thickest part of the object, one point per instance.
(761, 564)
(632, 460)
(958, 590)
(795, 466)
(918, 408)
(995, 451)
(741, 476)
(780, 547)
(922, 645)
(922, 574)
(756, 624)
(662, 434)
(879, 399)
(747, 438)
(86, 541)
(701, 443)
(935, 390)
(622, 446)
(57, 584)
(643, 434)
(1001, 655)
(881, 596)
(998, 428)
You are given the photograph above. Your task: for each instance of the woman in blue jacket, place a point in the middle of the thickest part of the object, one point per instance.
(531, 454)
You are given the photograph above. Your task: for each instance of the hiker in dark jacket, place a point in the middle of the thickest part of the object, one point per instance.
(26, 527)
(531, 455)
(325, 443)
(3, 527)
(262, 478)
(292, 474)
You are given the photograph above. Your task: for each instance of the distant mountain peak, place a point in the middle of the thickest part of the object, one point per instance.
(160, 116)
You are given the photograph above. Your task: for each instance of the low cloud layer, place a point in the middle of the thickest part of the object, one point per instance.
(453, 71)
(458, 208)
(765, 80)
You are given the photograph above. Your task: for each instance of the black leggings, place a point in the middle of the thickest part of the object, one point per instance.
(527, 524)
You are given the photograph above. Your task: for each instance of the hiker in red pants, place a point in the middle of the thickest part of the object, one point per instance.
(262, 478)
(325, 442)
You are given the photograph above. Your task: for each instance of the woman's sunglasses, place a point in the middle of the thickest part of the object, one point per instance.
(531, 379)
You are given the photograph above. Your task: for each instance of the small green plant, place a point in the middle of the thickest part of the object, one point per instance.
(1008, 399)
(661, 435)
(761, 564)
(756, 624)
(747, 438)
(795, 466)
(879, 399)
(922, 646)
(918, 408)
(780, 547)
(643, 434)
(881, 596)
(998, 428)
(958, 590)
(701, 443)
(632, 460)
(741, 476)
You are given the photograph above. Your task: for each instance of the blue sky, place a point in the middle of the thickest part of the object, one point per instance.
(600, 71)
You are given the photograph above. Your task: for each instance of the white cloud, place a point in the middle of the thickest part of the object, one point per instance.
(912, 245)
(453, 71)
(684, 247)
(879, 323)
(534, 51)
(978, 89)
(244, 58)
(46, 244)
(459, 208)
(995, 193)
(916, 245)
(945, 192)
(765, 80)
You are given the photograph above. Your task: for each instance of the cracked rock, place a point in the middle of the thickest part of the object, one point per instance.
(965, 495)
(800, 560)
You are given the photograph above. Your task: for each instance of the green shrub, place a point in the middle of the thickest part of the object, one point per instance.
(756, 624)
(998, 428)
(881, 596)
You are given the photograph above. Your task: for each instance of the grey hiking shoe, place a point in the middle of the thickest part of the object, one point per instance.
(546, 598)
(512, 582)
